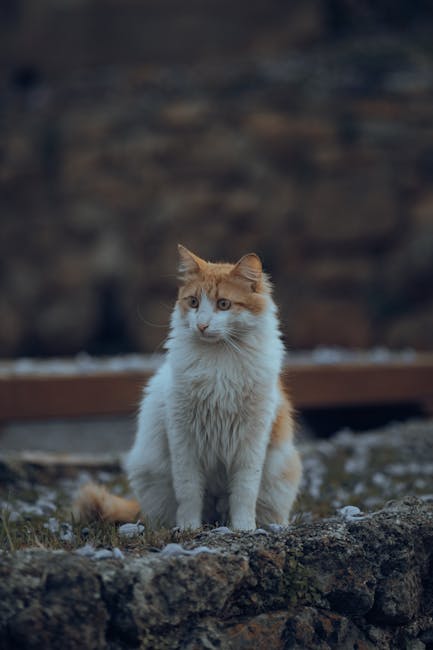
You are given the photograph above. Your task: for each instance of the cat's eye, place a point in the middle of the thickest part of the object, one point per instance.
(223, 304)
(193, 302)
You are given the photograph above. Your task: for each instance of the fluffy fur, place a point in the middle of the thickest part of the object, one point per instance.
(215, 429)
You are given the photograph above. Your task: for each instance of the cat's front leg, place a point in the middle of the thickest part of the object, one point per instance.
(188, 483)
(190, 505)
(244, 488)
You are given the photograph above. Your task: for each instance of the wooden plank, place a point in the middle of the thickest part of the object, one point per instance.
(112, 392)
(75, 395)
(358, 384)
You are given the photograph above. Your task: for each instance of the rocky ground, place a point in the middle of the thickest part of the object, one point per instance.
(351, 569)
(359, 469)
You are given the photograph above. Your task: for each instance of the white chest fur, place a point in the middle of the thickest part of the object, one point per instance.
(221, 398)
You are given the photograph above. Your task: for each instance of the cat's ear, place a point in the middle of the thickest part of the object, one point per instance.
(188, 262)
(249, 268)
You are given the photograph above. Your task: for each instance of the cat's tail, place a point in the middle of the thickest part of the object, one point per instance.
(94, 502)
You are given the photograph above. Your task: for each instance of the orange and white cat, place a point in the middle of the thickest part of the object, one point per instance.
(215, 430)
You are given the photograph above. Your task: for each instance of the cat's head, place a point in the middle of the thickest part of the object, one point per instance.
(221, 302)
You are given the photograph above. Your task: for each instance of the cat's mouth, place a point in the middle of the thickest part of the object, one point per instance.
(209, 337)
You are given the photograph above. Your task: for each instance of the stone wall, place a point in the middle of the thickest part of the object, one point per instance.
(364, 582)
(280, 135)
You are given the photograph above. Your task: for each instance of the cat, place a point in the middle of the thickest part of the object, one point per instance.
(215, 428)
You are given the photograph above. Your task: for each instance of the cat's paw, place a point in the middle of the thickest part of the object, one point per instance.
(185, 521)
(244, 523)
(187, 525)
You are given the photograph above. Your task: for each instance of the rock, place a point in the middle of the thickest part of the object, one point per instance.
(310, 628)
(334, 583)
(55, 594)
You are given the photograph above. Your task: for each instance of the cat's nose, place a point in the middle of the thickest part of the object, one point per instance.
(202, 326)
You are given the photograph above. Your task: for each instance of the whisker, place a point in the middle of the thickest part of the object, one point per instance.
(233, 345)
(229, 347)
(161, 345)
(234, 336)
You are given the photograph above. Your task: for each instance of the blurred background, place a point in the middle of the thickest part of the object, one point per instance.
(300, 130)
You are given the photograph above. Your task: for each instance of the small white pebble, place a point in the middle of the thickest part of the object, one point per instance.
(102, 554)
(86, 551)
(46, 505)
(28, 510)
(117, 553)
(173, 549)
(53, 525)
(130, 530)
(66, 534)
(201, 549)
(275, 528)
(260, 531)
(176, 549)
(350, 513)
(221, 530)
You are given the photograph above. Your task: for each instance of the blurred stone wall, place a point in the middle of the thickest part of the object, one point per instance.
(302, 131)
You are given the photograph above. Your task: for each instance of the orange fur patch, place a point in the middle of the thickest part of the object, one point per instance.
(282, 429)
(292, 472)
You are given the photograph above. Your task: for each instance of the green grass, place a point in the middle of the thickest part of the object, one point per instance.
(31, 533)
